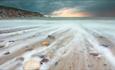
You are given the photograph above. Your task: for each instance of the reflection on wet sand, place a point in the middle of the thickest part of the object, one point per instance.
(54, 46)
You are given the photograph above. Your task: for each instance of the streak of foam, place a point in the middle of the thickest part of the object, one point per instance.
(102, 50)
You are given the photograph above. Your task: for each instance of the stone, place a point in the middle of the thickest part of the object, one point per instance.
(94, 53)
(29, 49)
(20, 58)
(6, 53)
(1, 46)
(45, 43)
(104, 45)
(11, 41)
(44, 60)
(51, 37)
(42, 56)
(56, 63)
(105, 64)
(32, 64)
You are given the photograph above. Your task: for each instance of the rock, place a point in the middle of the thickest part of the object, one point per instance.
(11, 12)
(42, 56)
(51, 37)
(29, 49)
(104, 45)
(44, 60)
(94, 53)
(105, 64)
(6, 53)
(101, 37)
(1, 46)
(90, 65)
(56, 63)
(32, 64)
(20, 58)
(11, 41)
(45, 43)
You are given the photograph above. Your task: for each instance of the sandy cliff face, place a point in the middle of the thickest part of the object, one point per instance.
(8, 12)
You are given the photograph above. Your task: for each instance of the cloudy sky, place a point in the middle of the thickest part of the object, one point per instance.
(66, 8)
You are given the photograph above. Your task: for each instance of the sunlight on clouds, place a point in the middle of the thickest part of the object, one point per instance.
(69, 12)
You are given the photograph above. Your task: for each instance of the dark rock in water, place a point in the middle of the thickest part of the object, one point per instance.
(1, 46)
(94, 53)
(28, 48)
(90, 66)
(105, 64)
(11, 41)
(101, 37)
(51, 37)
(44, 60)
(104, 45)
(56, 63)
(6, 53)
(42, 56)
(20, 58)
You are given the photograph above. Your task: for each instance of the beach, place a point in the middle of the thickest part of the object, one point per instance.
(57, 44)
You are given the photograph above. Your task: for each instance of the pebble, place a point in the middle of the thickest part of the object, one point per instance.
(42, 56)
(51, 37)
(44, 60)
(90, 65)
(1, 46)
(45, 43)
(56, 63)
(94, 53)
(28, 48)
(32, 64)
(101, 37)
(20, 58)
(105, 45)
(11, 41)
(105, 64)
(6, 53)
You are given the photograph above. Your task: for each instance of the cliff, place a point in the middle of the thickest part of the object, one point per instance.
(10, 12)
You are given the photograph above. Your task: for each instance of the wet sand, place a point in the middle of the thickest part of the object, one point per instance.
(58, 45)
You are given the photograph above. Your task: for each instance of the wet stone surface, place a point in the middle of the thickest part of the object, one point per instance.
(6, 53)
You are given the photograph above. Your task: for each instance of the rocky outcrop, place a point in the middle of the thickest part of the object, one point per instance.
(9, 12)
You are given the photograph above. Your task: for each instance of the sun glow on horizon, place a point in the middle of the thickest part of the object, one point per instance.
(68, 12)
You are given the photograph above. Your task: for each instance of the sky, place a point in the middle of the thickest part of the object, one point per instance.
(66, 8)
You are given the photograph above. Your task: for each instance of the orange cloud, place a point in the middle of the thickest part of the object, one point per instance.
(68, 12)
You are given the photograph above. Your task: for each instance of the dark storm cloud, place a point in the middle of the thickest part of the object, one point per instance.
(45, 6)
(96, 7)
(102, 7)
